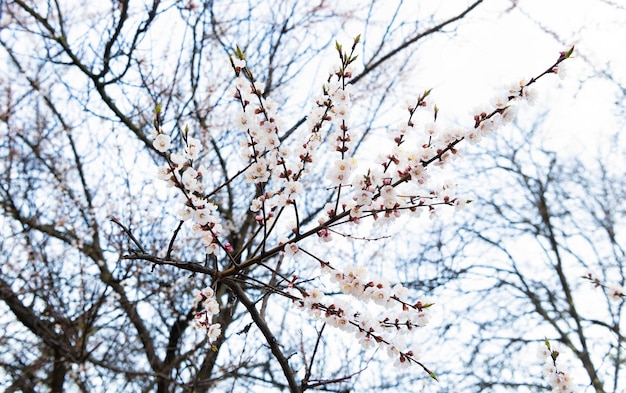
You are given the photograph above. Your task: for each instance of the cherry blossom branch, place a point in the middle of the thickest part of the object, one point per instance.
(613, 291)
(560, 380)
(376, 194)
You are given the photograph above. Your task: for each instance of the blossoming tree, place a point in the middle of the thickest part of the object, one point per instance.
(256, 226)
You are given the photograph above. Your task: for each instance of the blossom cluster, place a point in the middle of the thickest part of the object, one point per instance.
(258, 119)
(560, 380)
(267, 159)
(278, 169)
(387, 330)
(207, 307)
(180, 172)
(614, 291)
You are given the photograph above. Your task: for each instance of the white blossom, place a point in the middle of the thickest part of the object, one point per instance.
(162, 143)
